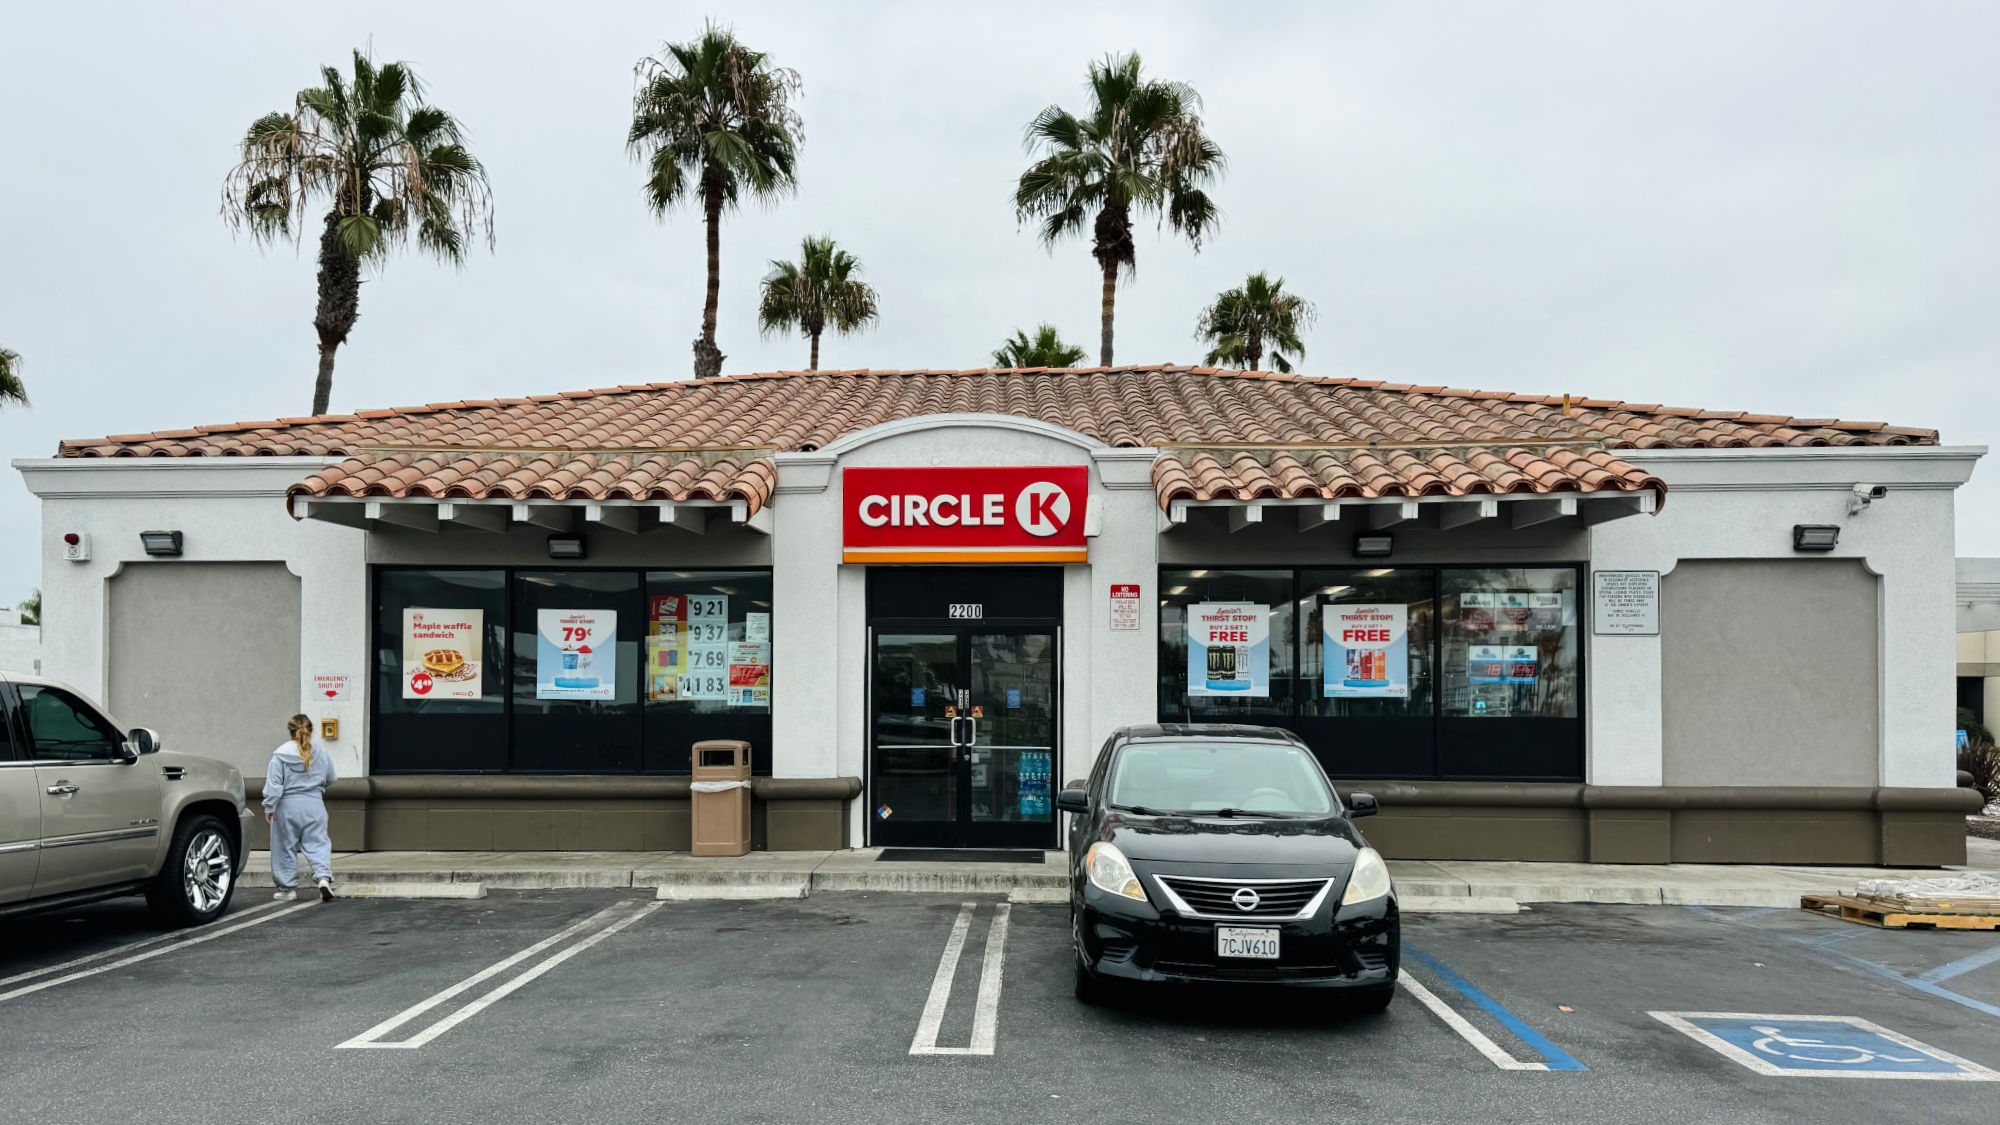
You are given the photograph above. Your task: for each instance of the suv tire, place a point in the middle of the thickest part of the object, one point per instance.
(195, 883)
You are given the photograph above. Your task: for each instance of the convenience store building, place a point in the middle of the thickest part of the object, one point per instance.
(1483, 608)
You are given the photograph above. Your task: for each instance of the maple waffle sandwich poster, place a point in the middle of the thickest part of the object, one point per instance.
(442, 653)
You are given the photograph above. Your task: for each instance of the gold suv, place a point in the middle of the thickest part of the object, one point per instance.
(90, 809)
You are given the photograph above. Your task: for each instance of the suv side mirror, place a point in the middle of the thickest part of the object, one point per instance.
(1073, 800)
(143, 740)
(1361, 804)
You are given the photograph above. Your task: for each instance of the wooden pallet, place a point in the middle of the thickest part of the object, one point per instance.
(1901, 914)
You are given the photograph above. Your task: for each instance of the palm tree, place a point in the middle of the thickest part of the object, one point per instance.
(385, 164)
(1141, 147)
(822, 290)
(713, 119)
(1245, 319)
(31, 608)
(1045, 349)
(12, 390)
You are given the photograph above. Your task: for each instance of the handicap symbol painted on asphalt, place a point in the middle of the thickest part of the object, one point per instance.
(1821, 1047)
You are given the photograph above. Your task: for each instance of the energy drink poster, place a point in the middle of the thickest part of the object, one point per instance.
(576, 654)
(1367, 651)
(1229, 649)
(1031, 782)
(1502, 664)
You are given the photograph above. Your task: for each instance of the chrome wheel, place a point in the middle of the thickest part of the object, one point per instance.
(208, 871)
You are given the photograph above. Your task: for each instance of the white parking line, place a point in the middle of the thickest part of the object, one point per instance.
(986, 1007)
(1466, 1031)
(371, 1037)
(167, 943)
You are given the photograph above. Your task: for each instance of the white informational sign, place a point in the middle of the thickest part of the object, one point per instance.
(576, 654)
(442, 653)
(1229, 649)
(330, 687)
(1367, 651)
(1625, 603)
(757, 628)
(1125, 607)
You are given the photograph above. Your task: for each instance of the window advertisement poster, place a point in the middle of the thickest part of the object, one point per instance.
(666, 646)
(1501, 664)
(1504, 611)
(1229, 649)
(576, 654)
(749, 674)
(442, 653)
(1367, 651)
(1031, 782)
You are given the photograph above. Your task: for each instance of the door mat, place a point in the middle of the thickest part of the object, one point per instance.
(956, 855)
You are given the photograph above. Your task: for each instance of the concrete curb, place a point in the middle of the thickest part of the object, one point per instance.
(1457, 904)
(407, 890)
(733, 892)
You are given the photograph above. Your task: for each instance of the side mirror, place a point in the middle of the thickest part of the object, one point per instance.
(1073, 800)
(1361, 804)
(143, 740)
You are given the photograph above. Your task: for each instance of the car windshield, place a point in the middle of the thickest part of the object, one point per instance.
(1234, 778)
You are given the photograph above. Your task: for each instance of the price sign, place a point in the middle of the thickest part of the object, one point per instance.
(705, 685)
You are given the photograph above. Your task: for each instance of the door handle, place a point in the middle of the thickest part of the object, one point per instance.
(63, 789)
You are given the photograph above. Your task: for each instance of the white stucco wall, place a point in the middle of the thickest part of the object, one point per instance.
(1741, 504)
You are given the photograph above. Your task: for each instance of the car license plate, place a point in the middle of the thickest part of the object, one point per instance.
(1257, 942)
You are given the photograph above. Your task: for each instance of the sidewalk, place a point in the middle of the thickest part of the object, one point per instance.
(1422, 885)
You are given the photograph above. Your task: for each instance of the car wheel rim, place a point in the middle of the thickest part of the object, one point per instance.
(207, 874)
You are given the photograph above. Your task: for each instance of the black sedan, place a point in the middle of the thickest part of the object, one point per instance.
(1212, 853)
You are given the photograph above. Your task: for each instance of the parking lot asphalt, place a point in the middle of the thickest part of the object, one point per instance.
(603, 1006)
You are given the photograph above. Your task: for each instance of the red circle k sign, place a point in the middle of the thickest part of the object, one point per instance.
(1012, 513)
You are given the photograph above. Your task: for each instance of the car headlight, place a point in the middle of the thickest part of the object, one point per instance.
(1370, 879)
(1110, 873)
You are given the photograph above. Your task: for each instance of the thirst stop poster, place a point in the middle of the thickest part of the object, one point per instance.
(1367, 651)
(1229, 649)
(577, 655)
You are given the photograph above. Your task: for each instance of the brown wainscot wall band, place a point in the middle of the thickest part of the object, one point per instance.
(1668, 824)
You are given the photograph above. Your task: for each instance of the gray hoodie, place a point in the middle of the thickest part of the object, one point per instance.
(289, 776)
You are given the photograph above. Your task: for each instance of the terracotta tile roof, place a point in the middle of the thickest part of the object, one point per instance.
(1223, 434)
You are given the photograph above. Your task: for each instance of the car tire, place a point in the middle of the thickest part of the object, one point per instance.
(1371, 1000)
(1089, 989)
(197, 880)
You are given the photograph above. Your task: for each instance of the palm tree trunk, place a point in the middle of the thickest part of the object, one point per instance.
(339, 305)
(707, 357)
(814, 365)
(1256, 349)
(1110, 302)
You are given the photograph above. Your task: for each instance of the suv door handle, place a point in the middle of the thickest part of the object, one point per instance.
(63, 789)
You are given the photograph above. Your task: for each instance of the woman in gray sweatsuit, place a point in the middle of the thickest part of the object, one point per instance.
(299, 774)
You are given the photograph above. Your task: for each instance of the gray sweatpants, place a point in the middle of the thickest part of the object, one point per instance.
(300, 825)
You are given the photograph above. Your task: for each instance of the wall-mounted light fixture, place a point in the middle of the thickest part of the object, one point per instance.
(1373, 546)
(164, 544)
(565, 546)
(1815, 536)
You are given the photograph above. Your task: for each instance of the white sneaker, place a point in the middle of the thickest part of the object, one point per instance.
(285, 894)
(326, 890)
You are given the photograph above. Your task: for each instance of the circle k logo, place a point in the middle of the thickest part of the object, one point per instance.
(1042, 509)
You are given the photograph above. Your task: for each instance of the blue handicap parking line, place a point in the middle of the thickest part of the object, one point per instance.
(1555, 1057)
(1820, 1047)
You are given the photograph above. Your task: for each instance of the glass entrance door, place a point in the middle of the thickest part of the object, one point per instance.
(963, 737)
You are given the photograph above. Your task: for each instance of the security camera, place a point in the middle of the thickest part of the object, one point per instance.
(1864, 495)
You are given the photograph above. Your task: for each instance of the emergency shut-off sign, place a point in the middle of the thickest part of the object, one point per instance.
(1011, 513)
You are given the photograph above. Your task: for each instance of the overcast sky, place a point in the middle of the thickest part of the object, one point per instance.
(1785, 208)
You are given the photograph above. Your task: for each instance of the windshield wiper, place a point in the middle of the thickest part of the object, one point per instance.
(1243, 812)
(1140, 809)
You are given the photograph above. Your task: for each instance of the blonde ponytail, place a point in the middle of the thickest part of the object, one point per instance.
(301, 730)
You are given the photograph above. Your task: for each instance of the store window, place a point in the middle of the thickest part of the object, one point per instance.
(1366, 642)
(1226, 645)
(1510, 646)
(1385, 672)
(568, 671)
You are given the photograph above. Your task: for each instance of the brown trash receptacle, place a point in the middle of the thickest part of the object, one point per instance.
(720, 801)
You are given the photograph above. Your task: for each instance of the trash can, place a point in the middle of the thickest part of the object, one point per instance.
(721, 797)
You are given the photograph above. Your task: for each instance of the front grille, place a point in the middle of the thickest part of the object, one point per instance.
(1217, 897)
(1230, 970)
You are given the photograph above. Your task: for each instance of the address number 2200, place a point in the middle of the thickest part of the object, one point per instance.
(966, 611)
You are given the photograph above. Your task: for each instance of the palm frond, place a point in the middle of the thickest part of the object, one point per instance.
(714, 111)
(12, 389)
(1045, 349)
